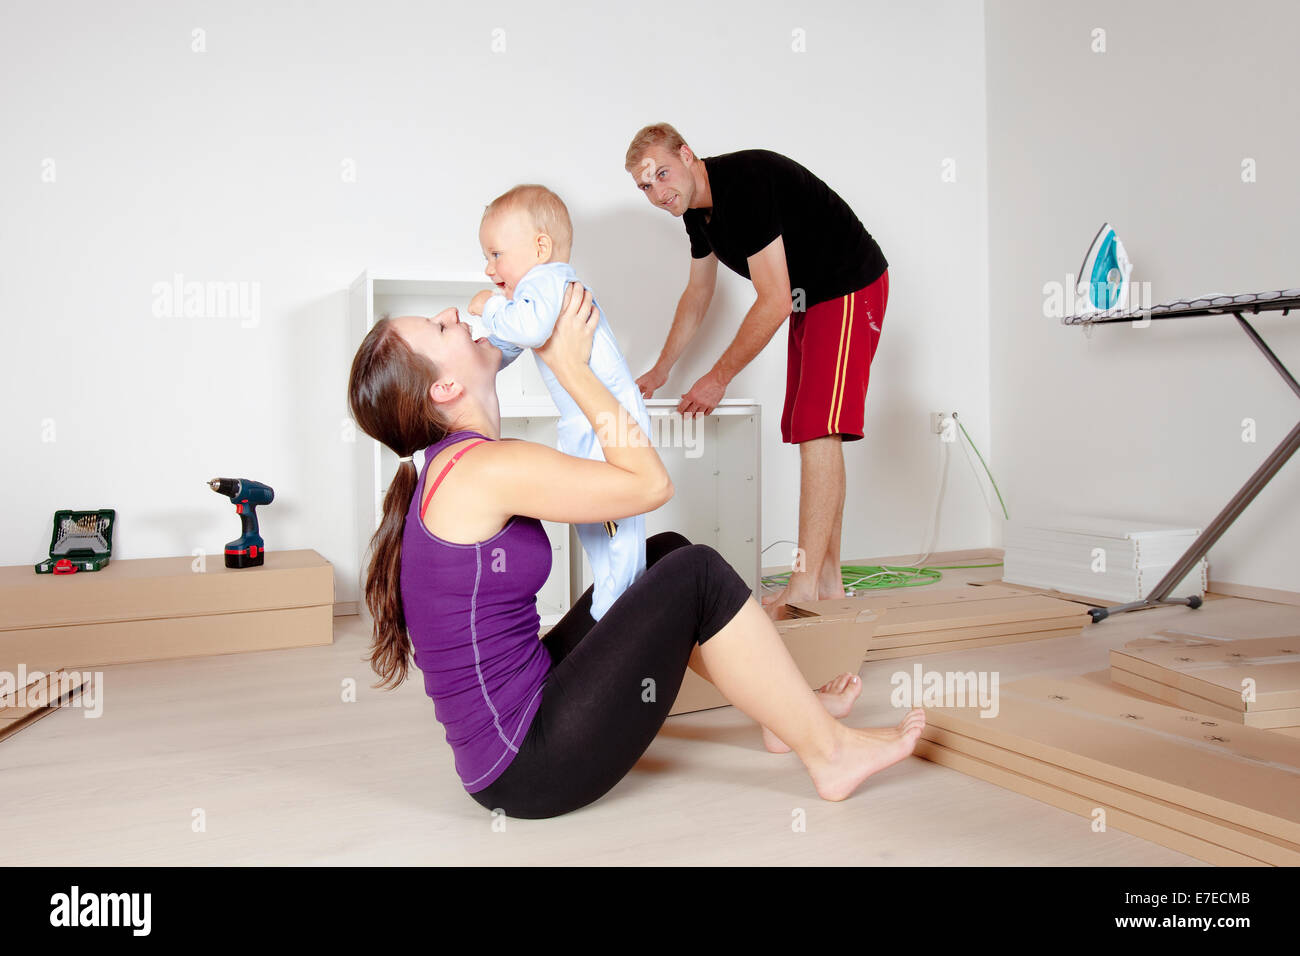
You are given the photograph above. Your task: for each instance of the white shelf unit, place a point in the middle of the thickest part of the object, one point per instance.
(713, 460)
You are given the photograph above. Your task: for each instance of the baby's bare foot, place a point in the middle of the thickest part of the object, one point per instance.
(837, 696)
(858, 755)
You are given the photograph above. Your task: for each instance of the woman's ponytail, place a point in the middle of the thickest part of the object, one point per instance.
(388, 394)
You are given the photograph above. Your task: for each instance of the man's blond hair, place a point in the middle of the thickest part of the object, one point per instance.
(544, 209)
(656, 134)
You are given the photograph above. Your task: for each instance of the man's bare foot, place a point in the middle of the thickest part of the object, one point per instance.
(858, 755)
(775, 597)
(830, 583)
(829, 586)
(799, 589)
(837, 696)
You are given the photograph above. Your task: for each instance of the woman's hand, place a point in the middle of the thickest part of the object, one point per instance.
(570, 343)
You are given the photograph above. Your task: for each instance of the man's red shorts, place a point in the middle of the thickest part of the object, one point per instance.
(830, 352)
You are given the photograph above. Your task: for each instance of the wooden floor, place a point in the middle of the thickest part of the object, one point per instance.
(285, 772)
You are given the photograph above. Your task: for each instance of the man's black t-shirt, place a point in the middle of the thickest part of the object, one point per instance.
(759, 195)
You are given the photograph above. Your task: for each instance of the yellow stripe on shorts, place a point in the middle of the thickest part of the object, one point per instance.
(841, 367)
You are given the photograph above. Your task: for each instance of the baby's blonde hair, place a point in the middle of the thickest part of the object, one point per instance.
(544, 209)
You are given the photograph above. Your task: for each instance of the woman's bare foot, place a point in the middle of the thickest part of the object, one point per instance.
(837, 696)
(857, 755)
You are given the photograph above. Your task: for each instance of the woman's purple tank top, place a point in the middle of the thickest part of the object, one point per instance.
(471, 611)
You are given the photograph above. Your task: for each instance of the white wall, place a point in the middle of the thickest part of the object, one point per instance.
(226, 165)
(1151, 135)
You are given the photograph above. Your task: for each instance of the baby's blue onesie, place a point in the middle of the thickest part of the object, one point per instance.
(526, 321)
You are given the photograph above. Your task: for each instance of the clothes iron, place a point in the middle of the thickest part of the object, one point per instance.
(1103, 280)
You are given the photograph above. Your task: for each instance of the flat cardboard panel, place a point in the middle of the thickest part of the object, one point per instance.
(1216, 672)
(126, 642)
(1072, 622)
(1115, 817)
(926, 595)
(151, 588)
(1177, 639)
(1243, 840)
(1247, 776)
(945, 614)
(54, 691)
(1027, 607)
(941, 647)
(821, 648)
(920, 596)
(1046, 592)
(13, 706)
(1282, 717)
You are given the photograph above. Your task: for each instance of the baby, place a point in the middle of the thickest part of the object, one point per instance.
(526, 236)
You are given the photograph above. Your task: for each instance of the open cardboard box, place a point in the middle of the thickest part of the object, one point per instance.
(823, 644)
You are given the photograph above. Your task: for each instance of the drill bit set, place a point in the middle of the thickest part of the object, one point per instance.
(82, 541)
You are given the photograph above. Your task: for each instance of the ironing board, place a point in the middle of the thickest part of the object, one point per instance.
(1234, 305)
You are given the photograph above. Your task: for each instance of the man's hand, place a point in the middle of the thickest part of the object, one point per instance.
(704, 395)
(651, 381)
(480, 299)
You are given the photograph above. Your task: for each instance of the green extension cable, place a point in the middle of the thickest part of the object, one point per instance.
(864, 577)
(982, 462)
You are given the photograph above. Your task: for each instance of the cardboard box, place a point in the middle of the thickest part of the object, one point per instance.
(162, 608)
(159, 639)
(1217, 673)
(1238, 774)
(822, 645)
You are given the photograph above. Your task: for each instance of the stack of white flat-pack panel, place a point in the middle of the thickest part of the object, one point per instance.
(1111, 559)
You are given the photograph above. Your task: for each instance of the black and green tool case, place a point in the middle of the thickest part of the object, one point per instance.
(81, 541)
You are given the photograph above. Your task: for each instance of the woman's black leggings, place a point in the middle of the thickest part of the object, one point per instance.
(613, 681)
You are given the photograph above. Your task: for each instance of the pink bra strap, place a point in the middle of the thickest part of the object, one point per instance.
(443, 474)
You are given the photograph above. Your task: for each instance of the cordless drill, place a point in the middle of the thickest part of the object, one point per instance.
(249, 551)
